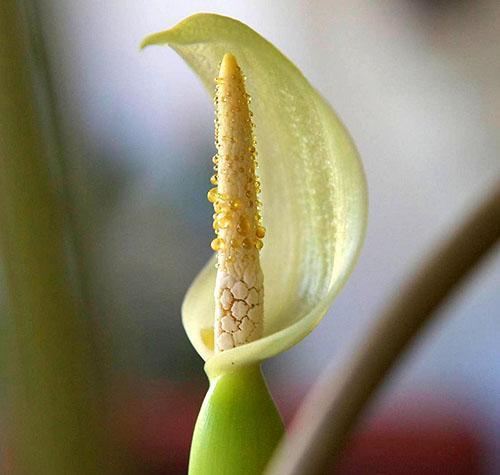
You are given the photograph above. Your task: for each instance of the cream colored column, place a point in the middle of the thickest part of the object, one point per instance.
(239, 288)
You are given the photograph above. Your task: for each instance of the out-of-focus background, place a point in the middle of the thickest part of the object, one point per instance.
(417, 84)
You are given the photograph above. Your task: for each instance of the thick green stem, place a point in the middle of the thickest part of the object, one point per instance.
(238, 426)
(55, 427)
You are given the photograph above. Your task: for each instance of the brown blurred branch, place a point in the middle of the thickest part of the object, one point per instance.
(334, 405)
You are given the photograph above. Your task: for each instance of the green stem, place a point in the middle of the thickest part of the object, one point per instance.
(238, 426)
(55, 424)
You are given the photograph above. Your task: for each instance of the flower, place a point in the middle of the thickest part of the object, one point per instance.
(313, 191)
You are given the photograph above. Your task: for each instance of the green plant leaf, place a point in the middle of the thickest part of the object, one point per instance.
(313, 191)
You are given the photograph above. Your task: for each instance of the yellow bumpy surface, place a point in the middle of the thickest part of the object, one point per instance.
(237, 220)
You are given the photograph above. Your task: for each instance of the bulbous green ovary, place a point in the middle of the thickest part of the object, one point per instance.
(313, 191)
(238, 426)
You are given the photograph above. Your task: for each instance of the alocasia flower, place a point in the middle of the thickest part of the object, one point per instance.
(314, 209)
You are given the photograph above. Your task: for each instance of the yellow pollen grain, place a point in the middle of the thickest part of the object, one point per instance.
(218, 244)
(224, 222)
(212, 195)
(260, 232)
